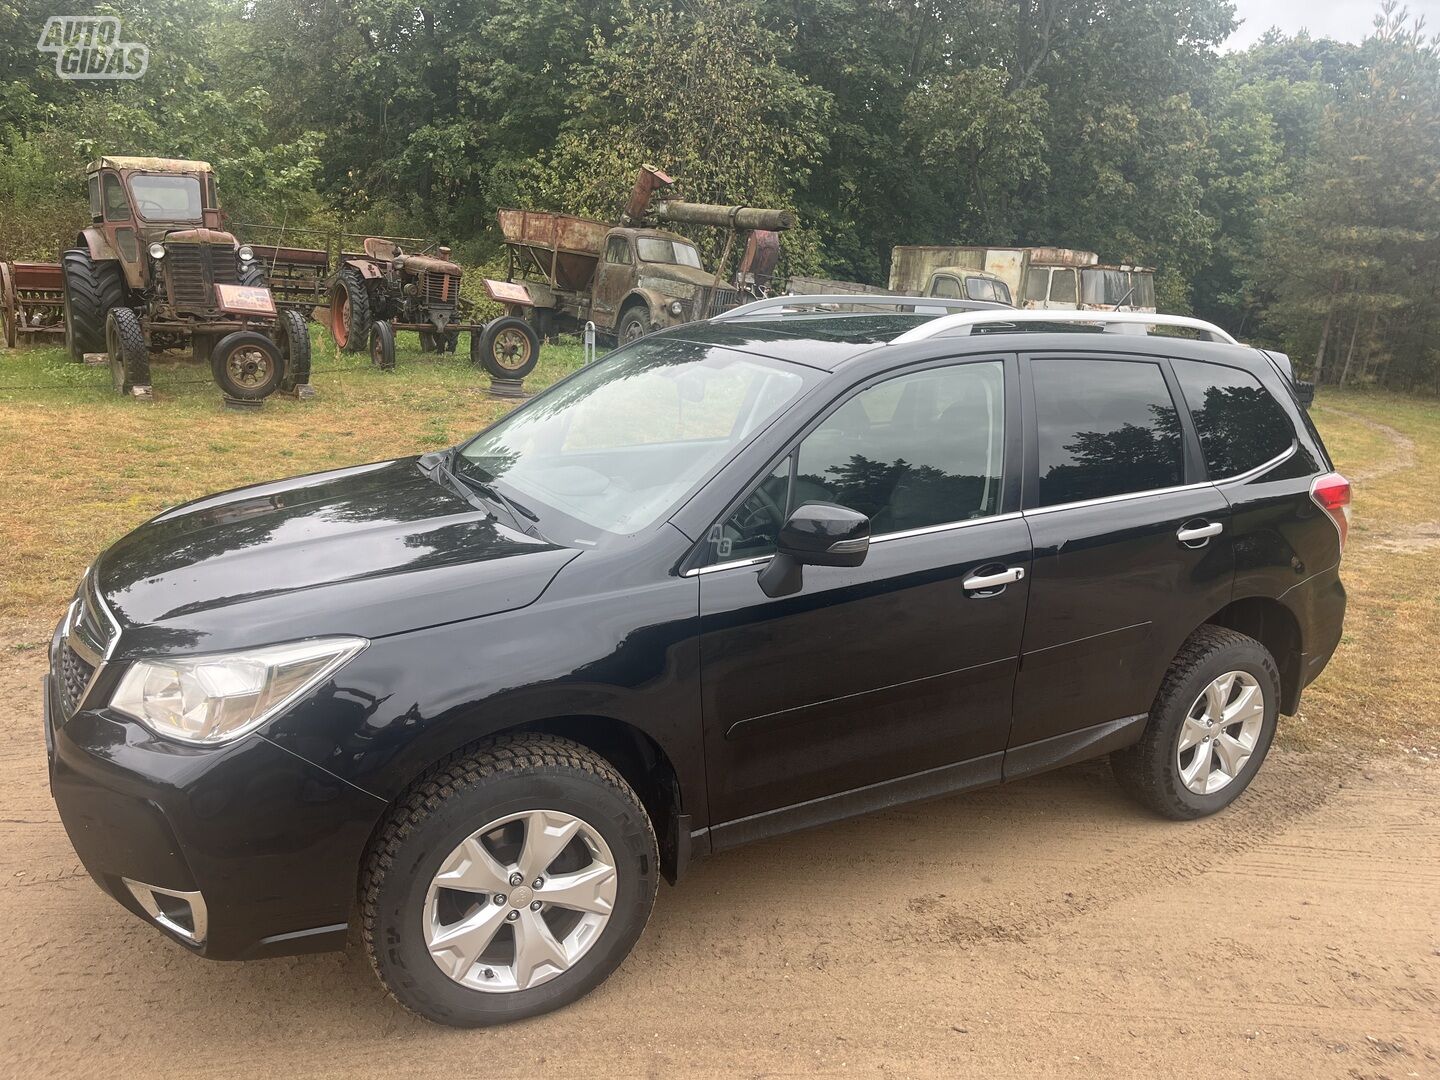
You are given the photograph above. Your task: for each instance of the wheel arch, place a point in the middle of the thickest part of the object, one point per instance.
(636, 756)
(646, 298)
(1274, 625)
(95, 241)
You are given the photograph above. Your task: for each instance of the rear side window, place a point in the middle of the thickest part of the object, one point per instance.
(1106, 427)
(1240, 424)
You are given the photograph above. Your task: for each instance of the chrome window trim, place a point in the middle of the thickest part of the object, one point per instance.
(903, 534)
(1125, 497)
(1263, 467)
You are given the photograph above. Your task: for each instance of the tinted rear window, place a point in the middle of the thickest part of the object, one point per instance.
(1106, 427)
(1240, 424)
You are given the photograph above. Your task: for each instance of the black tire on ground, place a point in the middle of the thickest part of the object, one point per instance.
(634, 324)
(507, 776)
(247, 365)
(508, 348)
(349, 311)
(125, 346)
(382, 346)
(438, 343)
(1150, 770)
(292, 334)
(91, 290)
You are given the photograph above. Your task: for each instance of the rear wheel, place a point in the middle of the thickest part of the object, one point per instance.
(349, 311)
(510, 882)
(91, 290)
(247, 365)
(1210, 727)
(252, 273)
(382, 346)
(507, 349)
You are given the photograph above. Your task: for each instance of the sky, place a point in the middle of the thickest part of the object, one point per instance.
(1345, 20)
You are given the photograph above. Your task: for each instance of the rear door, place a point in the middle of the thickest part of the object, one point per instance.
(901, 668)
(1132, 549)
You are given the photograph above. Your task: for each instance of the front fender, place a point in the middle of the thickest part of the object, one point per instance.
(656, 303)
(370, 271)
(98, 244)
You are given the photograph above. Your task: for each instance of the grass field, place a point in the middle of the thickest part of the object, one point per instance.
(80, 466)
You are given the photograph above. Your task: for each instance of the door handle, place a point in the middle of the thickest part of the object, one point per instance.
(993, 581)
(1201, 533)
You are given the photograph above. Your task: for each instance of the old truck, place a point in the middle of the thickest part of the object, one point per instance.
(156, 270)
(628, 279)
(960, 284)
(1035, 277)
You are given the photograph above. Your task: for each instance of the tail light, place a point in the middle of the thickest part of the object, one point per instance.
(1331, 493)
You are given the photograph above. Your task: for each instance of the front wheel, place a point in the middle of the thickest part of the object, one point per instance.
(634, 325)
(509, 882)
(247, 365)
(382, 346)
(1209, 729)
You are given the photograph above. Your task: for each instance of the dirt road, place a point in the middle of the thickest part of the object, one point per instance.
(1048, 927)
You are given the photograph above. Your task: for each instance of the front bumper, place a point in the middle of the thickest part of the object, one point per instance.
(270, 843)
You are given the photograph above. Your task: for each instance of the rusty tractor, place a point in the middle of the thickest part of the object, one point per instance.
(156, 270)
(631, 278)
(383, 289)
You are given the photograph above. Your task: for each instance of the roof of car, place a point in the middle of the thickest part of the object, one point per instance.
(829, 340)
(149, 164)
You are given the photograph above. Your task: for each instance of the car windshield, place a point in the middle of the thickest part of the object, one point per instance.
(166, 197)
(657, 249)
(1129, 288)
(623, 441)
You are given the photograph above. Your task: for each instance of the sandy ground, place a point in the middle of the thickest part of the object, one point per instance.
(1047, 927)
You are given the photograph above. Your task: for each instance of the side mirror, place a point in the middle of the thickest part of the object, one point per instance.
(817, 534)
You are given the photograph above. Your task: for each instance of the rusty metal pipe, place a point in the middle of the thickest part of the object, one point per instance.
(725, 217)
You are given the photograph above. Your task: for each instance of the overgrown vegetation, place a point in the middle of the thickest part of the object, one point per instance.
(1291, 191)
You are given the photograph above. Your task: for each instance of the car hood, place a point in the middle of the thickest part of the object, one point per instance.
(372, 550)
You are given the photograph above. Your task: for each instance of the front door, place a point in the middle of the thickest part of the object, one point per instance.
(897, 671)
(1132, 548)
(613, 278)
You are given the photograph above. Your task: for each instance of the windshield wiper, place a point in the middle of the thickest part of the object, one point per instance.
(516, 509)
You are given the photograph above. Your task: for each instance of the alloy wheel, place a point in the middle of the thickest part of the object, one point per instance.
(1219, 732)
(520, 901)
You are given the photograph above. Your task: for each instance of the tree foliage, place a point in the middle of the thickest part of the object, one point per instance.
(1288, 191)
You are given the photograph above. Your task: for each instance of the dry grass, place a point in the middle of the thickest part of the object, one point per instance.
(80, 467)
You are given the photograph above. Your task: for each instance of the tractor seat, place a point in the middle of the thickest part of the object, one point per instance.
(381, 249)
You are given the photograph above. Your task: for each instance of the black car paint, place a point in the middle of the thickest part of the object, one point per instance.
(765, 715)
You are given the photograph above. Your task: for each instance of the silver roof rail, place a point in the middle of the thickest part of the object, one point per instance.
(1122, 322)
(781, 305)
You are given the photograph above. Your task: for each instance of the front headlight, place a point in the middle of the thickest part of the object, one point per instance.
(676, 307)
(157, 251)
(246, 253)
(218, 698)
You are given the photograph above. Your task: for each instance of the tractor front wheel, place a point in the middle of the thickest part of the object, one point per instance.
(508, 348)
(293, 336)
(91, 290)
(349, 311)
(128, 353)
(247, 365)
(382, 346)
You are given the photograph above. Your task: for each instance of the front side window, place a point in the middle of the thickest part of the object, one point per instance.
(658, 249)
(946, 286)
(1037, 284)
(918, 450)
(625, 440)
(1240, 424)
(1106, 427)
(617, 250)
(166, 197)
(1062, 287)
(117, 205)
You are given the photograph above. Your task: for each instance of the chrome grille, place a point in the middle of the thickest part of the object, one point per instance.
(192, 269)
(439, 289)
(75, 675)
(714, 301)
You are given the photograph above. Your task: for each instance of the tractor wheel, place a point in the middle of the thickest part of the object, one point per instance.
(382, 346)
(293, 336)
(252, 273)
(508, 348)
(349, 311)
(125, 346)
(247, 365)
(91, 290)
(438, 343)
(9, 307)
(634, 324)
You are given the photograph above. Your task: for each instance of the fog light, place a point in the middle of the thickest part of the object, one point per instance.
(182, 913)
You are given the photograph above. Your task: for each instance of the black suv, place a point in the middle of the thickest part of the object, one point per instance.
(735, 579)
